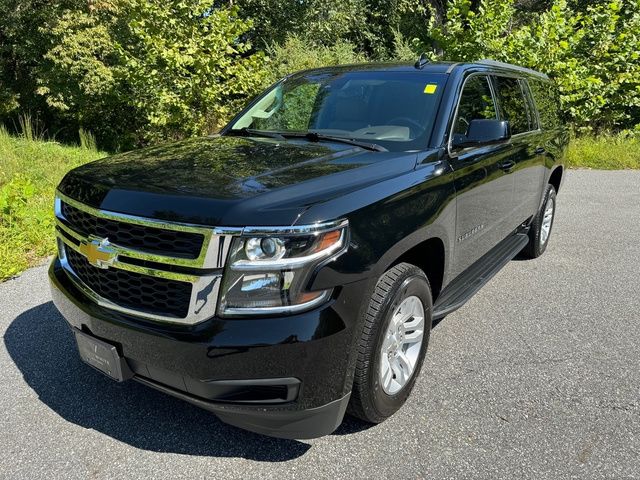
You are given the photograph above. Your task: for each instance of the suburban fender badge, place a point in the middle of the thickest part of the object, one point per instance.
(98, 252)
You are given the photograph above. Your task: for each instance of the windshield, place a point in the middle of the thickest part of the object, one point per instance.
(393, 109)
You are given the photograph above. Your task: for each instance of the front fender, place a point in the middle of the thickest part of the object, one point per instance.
(406, 211)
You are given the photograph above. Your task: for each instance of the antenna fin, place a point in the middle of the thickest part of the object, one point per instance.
(422, 61)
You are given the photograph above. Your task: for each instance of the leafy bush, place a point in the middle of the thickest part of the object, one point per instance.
(297, 54)
(593, 55)
(138, 71)
(135, 72)
(370, 24)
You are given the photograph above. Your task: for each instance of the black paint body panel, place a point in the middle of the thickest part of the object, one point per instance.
(393, 202)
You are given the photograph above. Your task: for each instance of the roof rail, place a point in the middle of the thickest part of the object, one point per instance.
(509, 66)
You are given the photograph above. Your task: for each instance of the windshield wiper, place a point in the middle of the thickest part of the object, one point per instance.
(311, 136)
(315, 137)
(244, 131)
(318, 137)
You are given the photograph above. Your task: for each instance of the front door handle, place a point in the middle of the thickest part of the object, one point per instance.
(506, 165)
(539, 150)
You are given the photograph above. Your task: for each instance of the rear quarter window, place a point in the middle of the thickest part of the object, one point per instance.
(547, 100)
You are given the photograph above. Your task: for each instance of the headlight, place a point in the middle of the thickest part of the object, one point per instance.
(269, 270)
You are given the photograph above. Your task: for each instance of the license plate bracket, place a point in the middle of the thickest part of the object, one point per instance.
(102, 356)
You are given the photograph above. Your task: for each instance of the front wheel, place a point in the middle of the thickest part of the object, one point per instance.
(540, 229)
(393, 343)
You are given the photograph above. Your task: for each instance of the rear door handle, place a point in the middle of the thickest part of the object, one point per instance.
(506, 165)
(539, 150)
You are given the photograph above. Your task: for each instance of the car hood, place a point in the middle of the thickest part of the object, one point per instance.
(229, 181)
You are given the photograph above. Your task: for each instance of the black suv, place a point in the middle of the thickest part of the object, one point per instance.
(289, 269)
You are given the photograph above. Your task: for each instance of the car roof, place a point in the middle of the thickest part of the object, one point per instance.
(436, 67)
(430, 67)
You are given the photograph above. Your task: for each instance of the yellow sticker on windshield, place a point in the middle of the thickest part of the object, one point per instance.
(430, 88)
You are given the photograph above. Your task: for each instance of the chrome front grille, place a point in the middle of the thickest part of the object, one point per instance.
(139, 237)
(144, 293)
(161, 271)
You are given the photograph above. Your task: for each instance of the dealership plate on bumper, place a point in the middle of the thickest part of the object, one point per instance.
(102, 356)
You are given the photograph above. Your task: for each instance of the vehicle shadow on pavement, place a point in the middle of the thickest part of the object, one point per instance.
(42, 347)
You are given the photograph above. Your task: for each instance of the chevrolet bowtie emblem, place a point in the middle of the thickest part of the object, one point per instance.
(98, 252)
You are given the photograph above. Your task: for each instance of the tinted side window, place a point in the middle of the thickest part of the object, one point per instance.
(513, 105)
(534, 122)
(476, 102)
(546, 97)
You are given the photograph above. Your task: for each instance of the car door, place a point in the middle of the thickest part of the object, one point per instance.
(484, 187)
(515, 106)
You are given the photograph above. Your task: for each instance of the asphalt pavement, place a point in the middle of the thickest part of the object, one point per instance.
(538, 376)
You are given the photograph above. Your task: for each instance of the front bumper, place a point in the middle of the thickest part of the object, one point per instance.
(286, 376)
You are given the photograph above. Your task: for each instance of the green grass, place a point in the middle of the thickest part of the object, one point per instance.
(604, 153)
(30, 169)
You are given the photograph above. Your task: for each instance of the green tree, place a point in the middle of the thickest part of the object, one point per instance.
(592, 55)
(295, 54)
(144, 71)
(24, 39)
(369, 24)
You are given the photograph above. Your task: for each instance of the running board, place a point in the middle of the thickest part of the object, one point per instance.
(465, 285)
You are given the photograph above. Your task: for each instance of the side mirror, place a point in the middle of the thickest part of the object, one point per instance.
(483, 132)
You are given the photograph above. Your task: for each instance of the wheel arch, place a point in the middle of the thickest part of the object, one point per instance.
(555, 178)
(419, 248)
(430, 256)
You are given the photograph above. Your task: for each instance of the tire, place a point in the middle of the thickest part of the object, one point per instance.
(400, 287)
(538, 241)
